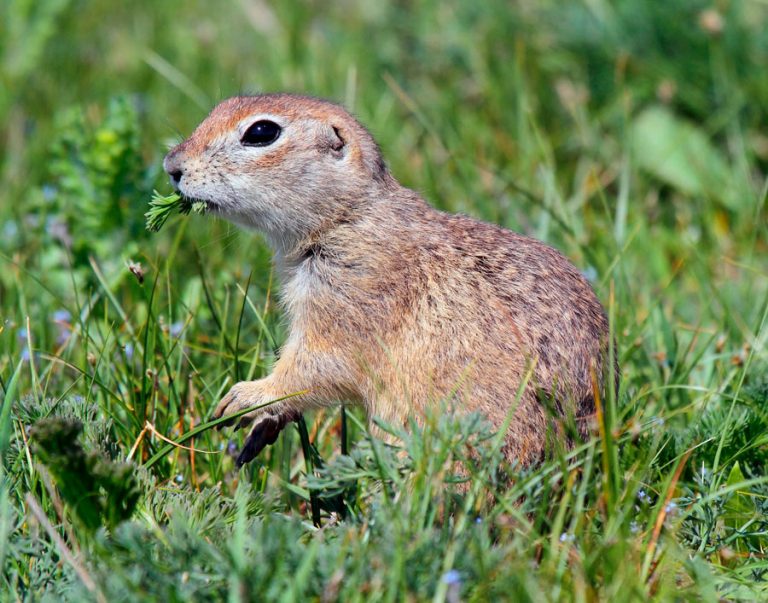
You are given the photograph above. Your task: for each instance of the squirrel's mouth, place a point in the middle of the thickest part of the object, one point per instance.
(195, 202)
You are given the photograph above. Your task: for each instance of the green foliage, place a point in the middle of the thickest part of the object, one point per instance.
(25, 29)
(631, 135)
(5, 414)
(680, 154)
(99, 491)
(160, 208)
(477, 536)
(96, 175)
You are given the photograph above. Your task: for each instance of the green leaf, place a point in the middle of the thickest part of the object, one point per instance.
(739, 508)
(5, 413)
(210, 424)
(681, 155)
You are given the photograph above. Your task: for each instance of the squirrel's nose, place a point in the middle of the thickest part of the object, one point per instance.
(176, 176)
(173, 166)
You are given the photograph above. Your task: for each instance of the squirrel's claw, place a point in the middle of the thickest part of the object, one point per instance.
(263, 434)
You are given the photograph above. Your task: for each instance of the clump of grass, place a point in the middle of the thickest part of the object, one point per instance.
(161, 206)
(98, 490)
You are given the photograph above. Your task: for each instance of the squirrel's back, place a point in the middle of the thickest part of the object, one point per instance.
(444, 303)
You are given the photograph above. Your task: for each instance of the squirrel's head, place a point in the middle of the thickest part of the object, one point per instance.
(283, 164)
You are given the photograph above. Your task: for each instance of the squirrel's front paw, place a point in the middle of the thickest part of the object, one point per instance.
(241, 396)
(269, 420)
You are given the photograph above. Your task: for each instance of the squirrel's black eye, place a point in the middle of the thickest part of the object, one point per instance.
(261, 133)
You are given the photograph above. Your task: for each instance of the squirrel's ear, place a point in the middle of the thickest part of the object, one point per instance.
(334, 141)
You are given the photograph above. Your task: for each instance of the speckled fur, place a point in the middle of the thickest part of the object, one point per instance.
(392, 304)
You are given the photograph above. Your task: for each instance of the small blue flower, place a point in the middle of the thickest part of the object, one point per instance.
(451, 577)
(566, 537)
(10, 230)
(57, 229)
(643, 497)
(232, 448)
(49, 192)
(478, 520)
(25, 354)
(670, 508)
(176, 328)
(22, 334)
(128, 350)
(179, 478)
(62, 318)
(62, 315)
(634, 527)
(590, 273)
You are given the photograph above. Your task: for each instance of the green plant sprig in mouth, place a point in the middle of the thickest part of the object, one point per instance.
(161, 206)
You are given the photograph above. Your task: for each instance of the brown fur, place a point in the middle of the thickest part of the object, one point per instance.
(392, 304)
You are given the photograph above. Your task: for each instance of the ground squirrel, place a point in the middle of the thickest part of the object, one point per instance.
(391, 303)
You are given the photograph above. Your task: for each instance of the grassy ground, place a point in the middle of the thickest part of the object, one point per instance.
(631, 135)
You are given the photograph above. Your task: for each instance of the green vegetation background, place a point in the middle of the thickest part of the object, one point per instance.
(632, 135)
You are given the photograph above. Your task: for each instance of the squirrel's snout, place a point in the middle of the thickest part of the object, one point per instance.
(172, 166)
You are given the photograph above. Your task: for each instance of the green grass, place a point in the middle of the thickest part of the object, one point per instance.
(631, 135)
(161, 207)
